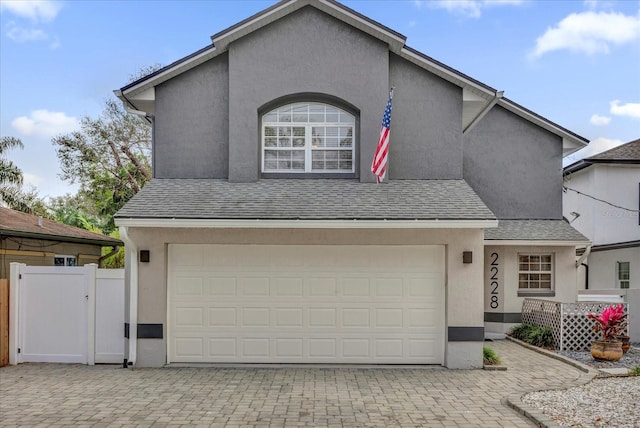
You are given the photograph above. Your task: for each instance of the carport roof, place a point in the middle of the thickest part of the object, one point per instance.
(534, 230)
(299, 199)
(19, 224)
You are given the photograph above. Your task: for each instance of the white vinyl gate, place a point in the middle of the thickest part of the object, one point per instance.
(66, 314)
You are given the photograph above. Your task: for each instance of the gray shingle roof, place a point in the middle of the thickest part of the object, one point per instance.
(534, 230)
(628, 151)
(321, 199)
(15, 223)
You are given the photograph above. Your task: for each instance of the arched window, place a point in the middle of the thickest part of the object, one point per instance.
(308, 138)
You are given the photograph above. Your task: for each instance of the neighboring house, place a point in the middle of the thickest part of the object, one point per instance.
(602, 200)
(263, 237)
(36, 241)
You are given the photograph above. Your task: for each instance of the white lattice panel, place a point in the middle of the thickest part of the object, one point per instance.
(572, 330)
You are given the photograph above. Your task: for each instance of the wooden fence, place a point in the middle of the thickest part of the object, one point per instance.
(4, 322)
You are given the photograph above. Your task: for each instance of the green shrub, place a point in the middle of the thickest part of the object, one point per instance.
(489, 356)
(533, 335)
(522, 331)
(542, 338)
(635, 371)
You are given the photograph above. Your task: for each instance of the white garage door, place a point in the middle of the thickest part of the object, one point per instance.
(306, 304)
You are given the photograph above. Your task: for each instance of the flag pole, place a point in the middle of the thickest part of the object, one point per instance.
(381, 156)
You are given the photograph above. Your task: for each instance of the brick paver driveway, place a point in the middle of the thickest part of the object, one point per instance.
(55, 394)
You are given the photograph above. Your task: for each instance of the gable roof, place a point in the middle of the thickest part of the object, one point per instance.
(628, 153)
(139, 95)
(534, 230)
(287, 201)
(19, 224)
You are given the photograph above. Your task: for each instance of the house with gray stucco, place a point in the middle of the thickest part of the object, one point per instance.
(263, 236)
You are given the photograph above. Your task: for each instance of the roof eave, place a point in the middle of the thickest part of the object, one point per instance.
(305, 224)
(576, 166)
(394, 39)
(535, 242)
(572, 142)
(60, 238)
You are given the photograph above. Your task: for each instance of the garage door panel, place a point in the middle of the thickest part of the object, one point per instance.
(189, 347)
(359, 348)
(329, 305)
(289, 317)
(190, 286)
(190, 317)
(222, 348)
(223, 317)
(254, 287)
(288, 348)
(255, 347)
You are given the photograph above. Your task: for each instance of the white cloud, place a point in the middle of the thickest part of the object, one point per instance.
(628, 109)
(598, 120)
(596, 146)
(22, 35)
(44, 123)
(32, 179)
(468, 8)
(589, 32)
(598, 4)
(35, 10)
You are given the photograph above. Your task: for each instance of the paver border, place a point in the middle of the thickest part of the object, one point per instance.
(535, 415)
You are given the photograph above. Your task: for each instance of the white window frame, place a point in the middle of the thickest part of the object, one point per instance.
(308, 148)
(623, 283)
(66, 258)
(538, 272)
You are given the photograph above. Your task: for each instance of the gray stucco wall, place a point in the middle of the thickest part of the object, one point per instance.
(307, 51)
(514, 166)
(192, 123)
(426, 125)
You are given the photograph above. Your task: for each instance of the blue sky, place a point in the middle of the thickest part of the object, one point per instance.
(575, 62)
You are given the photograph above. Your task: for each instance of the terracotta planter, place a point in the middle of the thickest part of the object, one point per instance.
(606, 350)
(626, 343)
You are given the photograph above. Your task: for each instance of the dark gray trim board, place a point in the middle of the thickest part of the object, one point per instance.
(536, 294)
(466, 334)
(616, 246)
(503, 317)
(150, 331)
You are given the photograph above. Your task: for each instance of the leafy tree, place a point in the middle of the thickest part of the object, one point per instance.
(75, 210)
(109, 157)
(10, 174)
(12, 194)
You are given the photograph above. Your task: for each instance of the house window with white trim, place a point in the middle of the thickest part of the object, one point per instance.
(623, 274)
(62, 260)
(535, 272)
(308, 138)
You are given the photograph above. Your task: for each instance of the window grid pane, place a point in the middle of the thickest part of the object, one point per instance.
(327, 138)
(535, 271)
(624, 274)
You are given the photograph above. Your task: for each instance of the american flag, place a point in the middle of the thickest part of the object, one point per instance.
(379, 164)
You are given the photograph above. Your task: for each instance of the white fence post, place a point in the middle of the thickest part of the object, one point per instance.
(91, 312)
(562, 326)
(14, 305)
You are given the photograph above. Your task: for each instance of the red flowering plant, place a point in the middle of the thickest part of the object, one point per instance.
(610, 322)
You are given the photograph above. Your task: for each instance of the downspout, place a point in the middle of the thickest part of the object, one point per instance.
(133, 295)
(580, 262)
(498, 95)
(114, 250)
(584, 256)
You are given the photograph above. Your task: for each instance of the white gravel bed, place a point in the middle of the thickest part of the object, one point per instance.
(603, 402)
